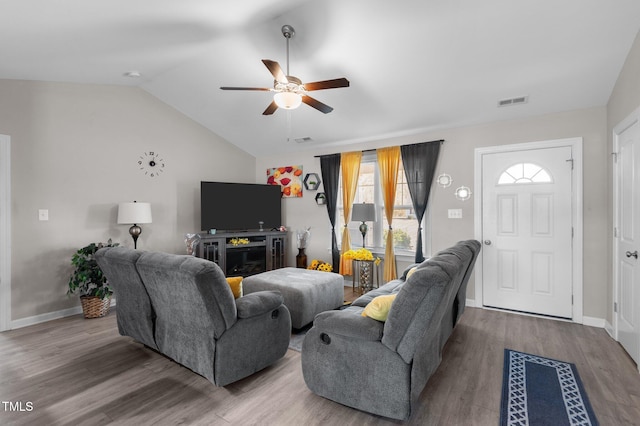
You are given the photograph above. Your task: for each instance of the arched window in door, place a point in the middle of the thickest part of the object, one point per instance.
(524, 173)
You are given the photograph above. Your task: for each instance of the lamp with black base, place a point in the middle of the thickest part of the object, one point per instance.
(134, 213)
(363, 213)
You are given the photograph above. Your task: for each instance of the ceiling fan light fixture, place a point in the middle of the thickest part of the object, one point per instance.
(287, 100)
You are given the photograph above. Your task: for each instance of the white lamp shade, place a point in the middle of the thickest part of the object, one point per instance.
(287, 100)
(363, 212)
(130, 213)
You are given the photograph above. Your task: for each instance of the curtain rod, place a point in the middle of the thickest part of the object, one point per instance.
(374, 149)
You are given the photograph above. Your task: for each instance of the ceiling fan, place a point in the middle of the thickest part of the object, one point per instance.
(290, 92)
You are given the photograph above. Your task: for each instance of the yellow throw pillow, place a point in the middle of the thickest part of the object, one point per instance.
(379, 307)
(236, 286)
(411, 271)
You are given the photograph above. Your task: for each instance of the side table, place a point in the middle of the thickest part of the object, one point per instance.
(365, 274)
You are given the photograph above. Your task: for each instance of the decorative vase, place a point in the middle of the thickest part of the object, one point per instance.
(95, 307)
(363, 272)
(301, 259)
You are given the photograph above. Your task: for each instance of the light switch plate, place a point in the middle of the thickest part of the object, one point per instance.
(43, 214)
(455, 213)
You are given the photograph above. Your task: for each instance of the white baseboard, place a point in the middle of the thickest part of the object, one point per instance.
(50, 316)
(608, 327)
(593, 322)
(590, 321)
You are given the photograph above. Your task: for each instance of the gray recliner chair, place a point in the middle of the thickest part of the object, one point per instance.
(135, 315)
(382, 367)
(194, 317)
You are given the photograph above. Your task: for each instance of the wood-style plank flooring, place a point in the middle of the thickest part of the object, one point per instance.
(82, 372)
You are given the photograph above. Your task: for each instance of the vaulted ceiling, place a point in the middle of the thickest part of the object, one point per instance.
(413, 65)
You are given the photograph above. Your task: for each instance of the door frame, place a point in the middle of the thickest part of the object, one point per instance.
(5, 232)
(629, 121)
(576, 214)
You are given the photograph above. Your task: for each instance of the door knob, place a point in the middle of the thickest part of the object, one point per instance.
(487, 242)
(634, 254)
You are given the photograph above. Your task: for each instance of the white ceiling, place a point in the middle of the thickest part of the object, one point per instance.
(413, 65)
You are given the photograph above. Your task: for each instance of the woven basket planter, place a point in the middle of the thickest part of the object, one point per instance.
(94, 307)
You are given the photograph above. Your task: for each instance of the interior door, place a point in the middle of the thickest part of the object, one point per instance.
(628, 239)
(527, 230)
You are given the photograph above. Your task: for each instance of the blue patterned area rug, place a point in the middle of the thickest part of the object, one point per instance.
(539, 391)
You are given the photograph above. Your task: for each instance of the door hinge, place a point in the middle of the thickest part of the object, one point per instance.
(615, 157)
(572, 232)
(615, 306)
(570, 160)
(615, 231)
(572, 299)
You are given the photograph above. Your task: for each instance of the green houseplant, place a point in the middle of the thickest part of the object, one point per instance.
(89, 282)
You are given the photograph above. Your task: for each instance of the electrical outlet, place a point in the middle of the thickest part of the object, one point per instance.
(43, 214)
(455, 213)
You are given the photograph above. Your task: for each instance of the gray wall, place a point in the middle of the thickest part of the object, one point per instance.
(457, 159)
(74, 152)
(74, 149)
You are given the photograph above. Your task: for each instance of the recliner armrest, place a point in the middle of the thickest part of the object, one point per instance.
(258, 303)
(349, 324)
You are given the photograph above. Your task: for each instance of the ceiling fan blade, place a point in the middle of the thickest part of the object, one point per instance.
(275, 69)
(262, 89)
(326, 84)
(271, 108)
(314, 103)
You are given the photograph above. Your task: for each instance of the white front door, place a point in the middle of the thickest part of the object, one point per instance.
(527, 230)
(627, 242)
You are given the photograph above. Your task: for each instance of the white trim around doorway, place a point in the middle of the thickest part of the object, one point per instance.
(577, 214)
(5, 232)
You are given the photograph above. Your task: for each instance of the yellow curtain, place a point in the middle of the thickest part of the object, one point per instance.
(350, 165)
(388, 163)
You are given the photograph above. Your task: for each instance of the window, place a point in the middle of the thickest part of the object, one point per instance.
(405, 225)
(524, 173)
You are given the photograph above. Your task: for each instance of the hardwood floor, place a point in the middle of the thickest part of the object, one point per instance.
(77, 371)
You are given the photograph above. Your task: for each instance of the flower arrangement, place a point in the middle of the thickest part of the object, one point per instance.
(360, 254)
(320, 265)
(239, 241)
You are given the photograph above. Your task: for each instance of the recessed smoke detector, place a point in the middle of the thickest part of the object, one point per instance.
(305, 139)
(132, 74)
(513, 101)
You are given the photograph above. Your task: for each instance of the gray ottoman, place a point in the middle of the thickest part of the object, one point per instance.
(306, 293)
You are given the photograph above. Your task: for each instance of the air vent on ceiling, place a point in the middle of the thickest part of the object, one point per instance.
(303, 140)
(513, 101)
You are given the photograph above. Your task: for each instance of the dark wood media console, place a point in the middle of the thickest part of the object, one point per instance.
(265, 250)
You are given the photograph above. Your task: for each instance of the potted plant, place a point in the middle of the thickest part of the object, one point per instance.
(88, 280)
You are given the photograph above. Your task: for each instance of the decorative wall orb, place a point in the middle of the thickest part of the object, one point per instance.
(463, 193)
(444, 180)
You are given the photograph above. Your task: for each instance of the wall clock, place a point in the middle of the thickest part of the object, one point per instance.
(151, 163)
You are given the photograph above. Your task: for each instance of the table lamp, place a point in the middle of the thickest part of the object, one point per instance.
(363, 213)
(134, 213)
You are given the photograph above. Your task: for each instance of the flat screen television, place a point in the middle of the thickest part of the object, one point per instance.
(226, 206)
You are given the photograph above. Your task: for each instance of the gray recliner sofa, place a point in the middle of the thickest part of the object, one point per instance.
(183, 307)
(382, 367)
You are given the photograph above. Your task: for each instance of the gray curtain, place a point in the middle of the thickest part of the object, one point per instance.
(330, 169)
(419, 161)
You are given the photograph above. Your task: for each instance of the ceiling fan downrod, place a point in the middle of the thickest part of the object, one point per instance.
(288, 32)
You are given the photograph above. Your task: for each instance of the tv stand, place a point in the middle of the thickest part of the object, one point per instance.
(259, 251)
